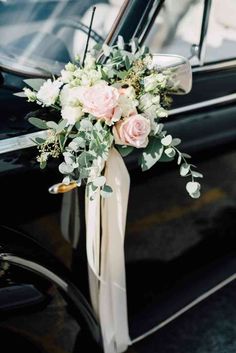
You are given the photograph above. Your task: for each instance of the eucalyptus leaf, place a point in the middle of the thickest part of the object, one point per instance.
(65, 168)
(69, 158)
(35, 83)
(170, 152)
(120, 42)
(107, 188)
(106, 191)
(179, 159)
(184, 169)
(152, 153)
(20, 94)
(43, 165)
(86, 124)
(127, 63)
(52, 125)
(61, 126)
(176, 141)
(134, 45)
(61, 141)
(166, 141)
(185, 155)
(39, 123)
(39, 140)
(85, 159)
(197, 174)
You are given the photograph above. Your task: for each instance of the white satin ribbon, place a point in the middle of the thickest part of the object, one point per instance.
(106, 259)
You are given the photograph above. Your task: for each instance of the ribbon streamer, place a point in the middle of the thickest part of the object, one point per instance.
(106, 258)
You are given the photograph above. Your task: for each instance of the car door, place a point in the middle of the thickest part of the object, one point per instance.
(167, 276)
(149, 281)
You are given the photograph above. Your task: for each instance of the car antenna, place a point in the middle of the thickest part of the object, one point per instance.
(89, 33)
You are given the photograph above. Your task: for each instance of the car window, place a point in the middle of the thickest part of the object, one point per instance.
(178, 28)
(221, 37)
(45, 34)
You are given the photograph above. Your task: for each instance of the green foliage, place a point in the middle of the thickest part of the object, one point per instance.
(152, 153)
(39, 123)
(34, 83)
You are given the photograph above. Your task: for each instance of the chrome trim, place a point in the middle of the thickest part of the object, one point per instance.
(204, 104)
(20, 142)
(215, 66)
(204, 30)
(26, 141)
(69, 290)
(186, 308)
(36, 268)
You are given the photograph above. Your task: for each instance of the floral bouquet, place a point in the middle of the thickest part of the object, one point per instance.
(121, 102)
(106, 108)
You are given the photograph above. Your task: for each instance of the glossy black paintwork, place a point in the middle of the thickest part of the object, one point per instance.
(24, 197)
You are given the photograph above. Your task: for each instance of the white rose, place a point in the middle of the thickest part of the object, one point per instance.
(71, 114)
(48, 92)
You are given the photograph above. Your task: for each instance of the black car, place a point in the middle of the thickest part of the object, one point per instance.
(44, 301)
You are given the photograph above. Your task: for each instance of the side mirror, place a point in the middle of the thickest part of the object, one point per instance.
(178, 69)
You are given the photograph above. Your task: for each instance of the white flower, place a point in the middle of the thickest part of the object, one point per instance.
(150, 82)
(31, 95)
(193, 189)
(88, 77)
(162, 113)
(71, 96)
(127, 106)
(48, 92)
(146, 101)
(70, 67)
(71, 114)
(151, 114)
(89, 62)
(153, 81)
(66, 76)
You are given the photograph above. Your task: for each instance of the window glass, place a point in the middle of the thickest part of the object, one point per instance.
(221, 37)
(177, 27)
(44, 34)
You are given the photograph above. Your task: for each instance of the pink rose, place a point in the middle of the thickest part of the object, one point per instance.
(101, 100)
(132, 131)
